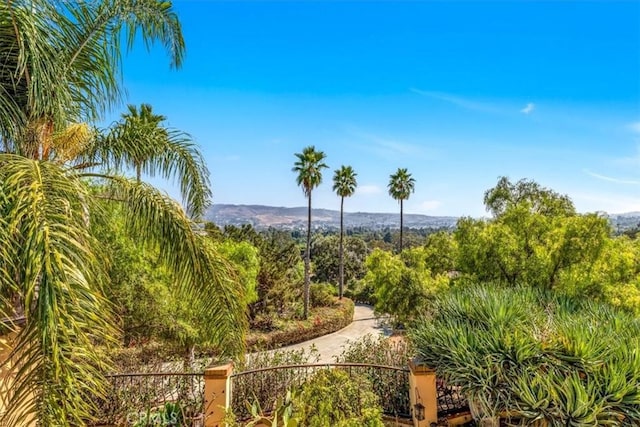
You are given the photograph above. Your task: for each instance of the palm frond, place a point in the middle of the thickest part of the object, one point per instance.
(202, 274)
(29, 71)
(93, 58)
(309, 168)
(56, 365)
(141, 142)
(401, 184)
(344, 181)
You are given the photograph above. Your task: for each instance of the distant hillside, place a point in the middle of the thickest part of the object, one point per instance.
(296, 218)
(625, 221)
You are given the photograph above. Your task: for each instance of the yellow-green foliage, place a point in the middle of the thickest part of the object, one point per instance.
(244, 260)
(614, 276)
(537, 239)
(335, 398)
(403, 283)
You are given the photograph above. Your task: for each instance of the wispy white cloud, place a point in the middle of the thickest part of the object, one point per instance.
(634, 127)
(528, 109)
(590, 202)
(368, 189)
(459, 101)
(611, 179)
(387, 147)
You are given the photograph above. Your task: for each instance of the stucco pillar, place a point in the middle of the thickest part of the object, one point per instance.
(423, 394)
(217, 394)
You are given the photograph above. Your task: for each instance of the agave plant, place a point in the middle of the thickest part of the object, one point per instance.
(535, 357)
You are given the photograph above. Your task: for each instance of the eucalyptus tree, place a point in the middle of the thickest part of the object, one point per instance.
(61, 71)
(308, 166)
(401, 185)
(344, 184)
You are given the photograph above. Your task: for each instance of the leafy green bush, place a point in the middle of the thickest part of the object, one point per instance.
(334, 398)
(377, 350)
(403, 283)
(361, 291)
(322, 321)
(269, 359)
(526, 354)
(380, 350)
(331, 397)
(322, 295)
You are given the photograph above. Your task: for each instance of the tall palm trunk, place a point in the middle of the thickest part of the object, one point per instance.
(307, 266)
(400, 225)
(341, 288)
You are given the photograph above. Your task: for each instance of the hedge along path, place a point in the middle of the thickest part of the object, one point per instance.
(330, 345)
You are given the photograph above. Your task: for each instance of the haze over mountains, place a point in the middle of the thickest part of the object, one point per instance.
(296, 218)
(261, 217)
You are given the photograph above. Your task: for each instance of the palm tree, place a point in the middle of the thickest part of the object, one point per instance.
(309, 169)
(142, 140)
(61, 66)
(344, 184)
(401, 185)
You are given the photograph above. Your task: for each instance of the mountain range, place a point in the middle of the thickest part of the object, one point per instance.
(261, 217)
(296, 218)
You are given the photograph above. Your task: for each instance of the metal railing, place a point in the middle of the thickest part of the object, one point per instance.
(450, 400)
(142, 398)
(264, 386)
(154, 399)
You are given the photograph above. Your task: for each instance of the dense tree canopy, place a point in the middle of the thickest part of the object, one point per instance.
(534, 236)
(279, 273)
(326, 266)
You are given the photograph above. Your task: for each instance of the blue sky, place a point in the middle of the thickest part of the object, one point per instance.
(459, 93)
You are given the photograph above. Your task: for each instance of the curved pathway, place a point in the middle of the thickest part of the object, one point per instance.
(328, 346)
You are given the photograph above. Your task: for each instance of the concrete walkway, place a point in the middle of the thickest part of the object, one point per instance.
(328, 346)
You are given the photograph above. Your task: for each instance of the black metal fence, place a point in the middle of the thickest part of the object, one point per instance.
(178, 398)
(153, 399)
(390, 384)
(450, 400)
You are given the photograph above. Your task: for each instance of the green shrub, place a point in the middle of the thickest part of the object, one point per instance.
(331, 397)
(361, 291)
(334, 398)
(528, 355)
(322, 295)
(279, 358)
(377, 350)
(322, 321)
